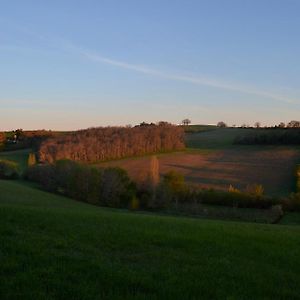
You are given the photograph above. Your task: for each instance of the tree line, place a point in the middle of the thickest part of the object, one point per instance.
(270, 137)
(19, 139)
(105, 143)
(113, 187)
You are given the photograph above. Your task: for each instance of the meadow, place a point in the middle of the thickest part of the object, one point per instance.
(57, 248)
(53, 247)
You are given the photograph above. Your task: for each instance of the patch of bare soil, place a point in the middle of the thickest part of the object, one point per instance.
(272, 167)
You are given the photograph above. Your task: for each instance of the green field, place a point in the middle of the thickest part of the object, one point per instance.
(217, 139)
(19, 156)
(56, 248)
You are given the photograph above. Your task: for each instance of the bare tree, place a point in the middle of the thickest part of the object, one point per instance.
(293, 124)
(154, 171)
(31, 159)
(257, 124)
(153, 179)
(2, 137)
(281, 125)
(99, 144)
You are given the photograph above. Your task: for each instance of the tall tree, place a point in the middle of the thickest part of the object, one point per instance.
(153, 177)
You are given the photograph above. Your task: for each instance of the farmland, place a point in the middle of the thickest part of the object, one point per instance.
(212, 161)
(53, 247)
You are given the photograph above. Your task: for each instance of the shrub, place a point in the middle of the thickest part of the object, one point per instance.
(8, 169)
(31, 159)
(298, 178)
(232, 189)
(170, 190)
(256, 190)
(292, 203)
(43, 175)
(116, 190)
(235, 199)
(108, 187)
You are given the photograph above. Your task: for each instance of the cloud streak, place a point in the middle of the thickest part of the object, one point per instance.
(67, 46)
(202, 81)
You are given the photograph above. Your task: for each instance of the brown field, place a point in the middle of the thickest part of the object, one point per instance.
(273, 167)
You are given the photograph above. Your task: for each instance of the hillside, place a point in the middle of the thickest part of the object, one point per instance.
(213, 161)
(56, 248)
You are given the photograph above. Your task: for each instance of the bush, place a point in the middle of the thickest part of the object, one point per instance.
(8, 169)
(170, 190)
(31, 159)
(292, 203)
(235, 199)
(298, 178)
(43, 175)
(108, 187)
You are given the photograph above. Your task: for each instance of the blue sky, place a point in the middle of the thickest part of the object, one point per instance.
(75, 64)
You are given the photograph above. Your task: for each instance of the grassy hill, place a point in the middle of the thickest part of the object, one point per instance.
(56, 248)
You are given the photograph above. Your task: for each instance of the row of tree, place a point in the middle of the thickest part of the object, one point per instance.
(112, 187)
(291, 124)
(270, 137)
(19, 139)
(104, 143)
(2, 138)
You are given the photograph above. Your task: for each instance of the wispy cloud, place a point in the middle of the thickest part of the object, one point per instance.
(198, 80)
(65, 45)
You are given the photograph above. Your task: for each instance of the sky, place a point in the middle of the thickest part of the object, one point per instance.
(76, 64)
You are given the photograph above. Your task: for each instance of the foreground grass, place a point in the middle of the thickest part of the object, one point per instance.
(55, 248)
(291, 218)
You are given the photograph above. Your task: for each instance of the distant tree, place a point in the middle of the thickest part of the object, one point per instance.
(99, 144)
(144, 124)
(293, 124)
(117, 190)
(255, 189)
(31, 159)
(172, 186)
(154, 171)
(2, 137)
(257, 124)
(186, 122)
(281, 125)
(222, 124)
(18, 134)
(163, 123)
(153, 178)
(8, 169)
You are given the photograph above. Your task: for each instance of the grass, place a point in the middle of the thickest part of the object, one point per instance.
(219, 212)
(18, 156)
(217, 139)
(291, 218)
(55, 248)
